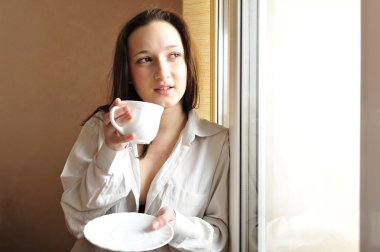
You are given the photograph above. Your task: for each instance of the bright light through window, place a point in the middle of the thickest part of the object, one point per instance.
(309, 118)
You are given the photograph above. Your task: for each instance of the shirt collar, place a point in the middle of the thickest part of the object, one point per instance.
(197, 126)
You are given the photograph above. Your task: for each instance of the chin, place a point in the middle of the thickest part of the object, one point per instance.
(171, 105)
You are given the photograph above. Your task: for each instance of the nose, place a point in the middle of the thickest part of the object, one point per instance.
(162, 71)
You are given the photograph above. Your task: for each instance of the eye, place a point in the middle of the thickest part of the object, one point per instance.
(174, 55)
(144, 60)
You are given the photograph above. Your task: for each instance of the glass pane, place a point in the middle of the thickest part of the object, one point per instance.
(309, 103)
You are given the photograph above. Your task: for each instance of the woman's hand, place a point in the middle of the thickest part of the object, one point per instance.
(113, 138)
(165, 216)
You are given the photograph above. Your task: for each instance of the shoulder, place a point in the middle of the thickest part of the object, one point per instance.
(204, 128)
(207, 128)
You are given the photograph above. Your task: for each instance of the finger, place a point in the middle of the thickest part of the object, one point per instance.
(120, 139)
(165, 216)
(119, 142)
(119, 102)
(106, 116)
(122, 116)
(125, 118)
(111, 131)
(116, 102)
(161, 221)
(114, 136)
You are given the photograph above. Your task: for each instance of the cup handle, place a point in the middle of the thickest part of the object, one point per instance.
(113, 122)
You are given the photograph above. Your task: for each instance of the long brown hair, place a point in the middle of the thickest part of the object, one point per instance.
(122, 86)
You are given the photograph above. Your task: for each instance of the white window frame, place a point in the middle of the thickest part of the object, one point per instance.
(236, 89)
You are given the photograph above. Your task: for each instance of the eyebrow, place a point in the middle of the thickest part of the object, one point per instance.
(146, 51)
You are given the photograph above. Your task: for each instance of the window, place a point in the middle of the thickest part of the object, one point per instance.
(294, 79)
(310, 96)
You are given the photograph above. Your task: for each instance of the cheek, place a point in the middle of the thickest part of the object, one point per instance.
(182, 73)
(136, 74)
(140, 78)
(139, 81)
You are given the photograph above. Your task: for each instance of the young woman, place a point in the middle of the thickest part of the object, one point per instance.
(182, 176)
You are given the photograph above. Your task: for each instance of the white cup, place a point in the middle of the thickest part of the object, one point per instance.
(145, 121)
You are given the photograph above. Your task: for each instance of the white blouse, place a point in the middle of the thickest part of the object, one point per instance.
(194, 181)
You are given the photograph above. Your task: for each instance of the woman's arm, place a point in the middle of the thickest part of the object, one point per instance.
(94, 178)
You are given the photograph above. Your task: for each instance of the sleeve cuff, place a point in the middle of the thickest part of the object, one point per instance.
(183, 228)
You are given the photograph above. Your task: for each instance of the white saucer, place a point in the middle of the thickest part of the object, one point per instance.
(126, 232)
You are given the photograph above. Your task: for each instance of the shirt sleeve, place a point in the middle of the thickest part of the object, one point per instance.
(94, 178)
(209, 233)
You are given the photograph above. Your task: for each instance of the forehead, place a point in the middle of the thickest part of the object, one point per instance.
(154, 36)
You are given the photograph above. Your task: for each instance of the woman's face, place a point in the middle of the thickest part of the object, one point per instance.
(157, 64)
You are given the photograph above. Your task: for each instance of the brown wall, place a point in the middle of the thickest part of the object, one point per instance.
(54, 59)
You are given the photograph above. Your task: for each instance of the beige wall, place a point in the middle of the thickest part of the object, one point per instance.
(55, 57)
(199, 14)
(370, 153)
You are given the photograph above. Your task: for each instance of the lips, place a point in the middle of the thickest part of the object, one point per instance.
(164, 89)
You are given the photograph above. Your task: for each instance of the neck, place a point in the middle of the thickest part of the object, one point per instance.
(173, 120)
